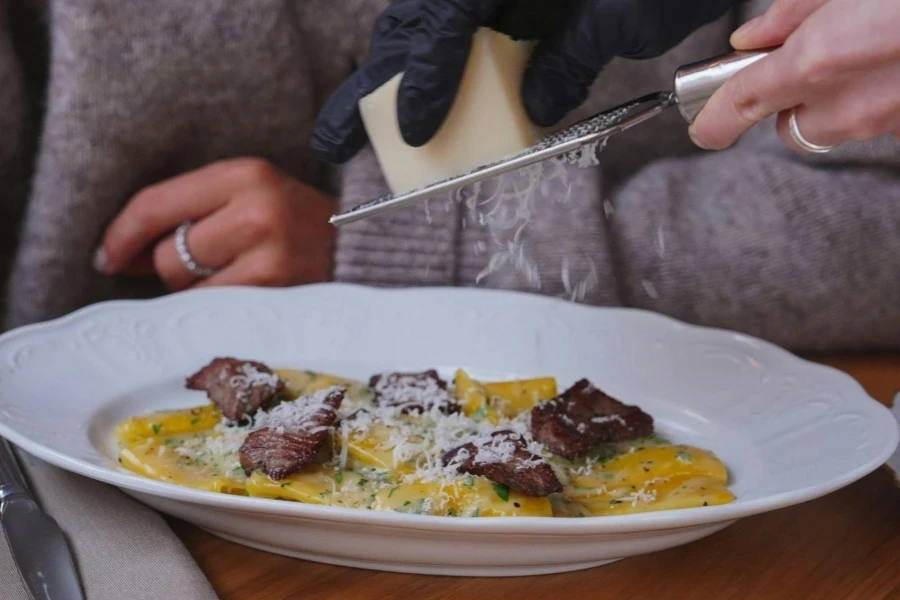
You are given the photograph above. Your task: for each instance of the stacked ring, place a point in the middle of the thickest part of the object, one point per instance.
(801, 140)
(185, 256)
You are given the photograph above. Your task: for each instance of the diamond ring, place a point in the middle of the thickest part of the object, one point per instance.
(184, 255)
(801, 141)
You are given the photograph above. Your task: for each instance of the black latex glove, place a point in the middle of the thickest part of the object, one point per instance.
(429, 41)
(564, 66)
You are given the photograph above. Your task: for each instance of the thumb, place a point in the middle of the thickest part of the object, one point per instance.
(775, 25)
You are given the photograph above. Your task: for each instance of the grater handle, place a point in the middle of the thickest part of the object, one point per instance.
(697, 82)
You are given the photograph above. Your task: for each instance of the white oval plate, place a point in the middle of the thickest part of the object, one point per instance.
(789, 430)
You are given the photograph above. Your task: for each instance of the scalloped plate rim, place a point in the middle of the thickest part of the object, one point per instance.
(542, 526)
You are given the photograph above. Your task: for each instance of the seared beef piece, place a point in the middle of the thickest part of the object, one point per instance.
(236, 387)
(415, 392)
(278, 454)
(504, 457)
(285, 445)
(583, 417)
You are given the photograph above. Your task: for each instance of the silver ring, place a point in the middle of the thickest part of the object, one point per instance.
(801, 141)
(184, 255)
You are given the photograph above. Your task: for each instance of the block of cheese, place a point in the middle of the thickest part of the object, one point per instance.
(486, 122)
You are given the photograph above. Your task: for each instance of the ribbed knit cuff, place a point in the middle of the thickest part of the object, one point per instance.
(412, 246)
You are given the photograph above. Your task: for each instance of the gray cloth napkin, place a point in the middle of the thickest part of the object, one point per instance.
(122, 548)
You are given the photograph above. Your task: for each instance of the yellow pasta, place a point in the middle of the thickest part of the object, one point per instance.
(168, 423)
(370, 451)
(650, 463)
(649, 479)
(470, 394)
(474, 496)
(315, 484)
(382, 466)
(494, 401)
(155, 459)
(653, 495)
(300, 382)
(513, 397)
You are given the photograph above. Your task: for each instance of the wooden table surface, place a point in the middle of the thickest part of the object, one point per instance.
(845, 545)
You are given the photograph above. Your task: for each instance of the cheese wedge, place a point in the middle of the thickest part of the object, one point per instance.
(487, 121)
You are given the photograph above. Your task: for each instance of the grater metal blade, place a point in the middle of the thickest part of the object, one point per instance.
(571, 139)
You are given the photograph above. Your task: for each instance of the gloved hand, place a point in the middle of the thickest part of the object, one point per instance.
(429, 41)
(564, 66)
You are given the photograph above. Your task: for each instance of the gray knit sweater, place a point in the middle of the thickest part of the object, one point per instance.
(803, 251)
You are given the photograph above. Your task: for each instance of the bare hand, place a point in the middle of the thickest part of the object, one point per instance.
(839, 66)
(252, 223)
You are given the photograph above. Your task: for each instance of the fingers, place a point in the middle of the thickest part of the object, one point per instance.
(809, 123)
(774, 26)
(141, 266)
(866, 110)
(762, 89)
(555, 83)
(159, 209)
(265, 267)
(219, 238)
(339, 133)
(275, 265)
(438, 51)
(563, 67)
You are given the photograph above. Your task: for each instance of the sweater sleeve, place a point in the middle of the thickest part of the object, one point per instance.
(17, 137)
(803, 251)
(407, 246)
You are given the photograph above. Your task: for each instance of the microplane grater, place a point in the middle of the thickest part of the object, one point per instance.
(694, 84)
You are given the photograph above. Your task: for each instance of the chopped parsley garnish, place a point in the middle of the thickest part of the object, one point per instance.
(156, 427)
(287, 484)
(657, 439)
(407, 503)
(684, 456)
(362, 482)
(393, 489)
(502, 491)
(339, 476)
(195, 420)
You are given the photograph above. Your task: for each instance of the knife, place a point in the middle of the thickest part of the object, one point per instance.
(37, 543)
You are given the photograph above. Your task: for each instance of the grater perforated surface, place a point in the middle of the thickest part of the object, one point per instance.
(565, 142)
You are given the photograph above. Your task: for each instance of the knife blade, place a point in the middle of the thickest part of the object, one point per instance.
(36, 541)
